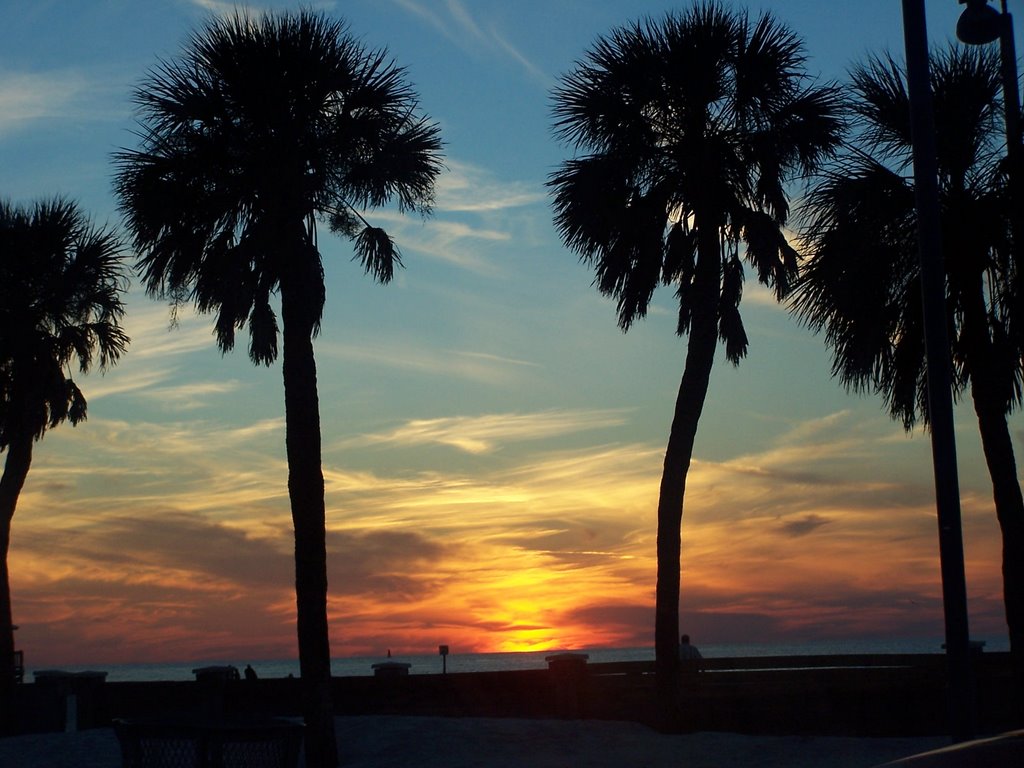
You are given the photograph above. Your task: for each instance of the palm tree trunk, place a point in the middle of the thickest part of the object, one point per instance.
(306, 491)
(19, 458)
(1002, 468)
(700, 357)
(991, 406)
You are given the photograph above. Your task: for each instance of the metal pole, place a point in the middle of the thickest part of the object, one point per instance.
(1011, 96)
(937, 350)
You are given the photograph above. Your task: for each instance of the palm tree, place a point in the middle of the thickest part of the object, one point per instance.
(693, 125)
(861, 282)
(263, 127)
(61, 282)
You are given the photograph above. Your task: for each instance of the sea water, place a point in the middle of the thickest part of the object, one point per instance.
(429, 664)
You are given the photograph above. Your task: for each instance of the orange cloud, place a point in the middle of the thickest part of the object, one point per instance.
(187, 557)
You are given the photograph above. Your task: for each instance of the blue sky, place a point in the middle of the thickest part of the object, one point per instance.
(492, 441)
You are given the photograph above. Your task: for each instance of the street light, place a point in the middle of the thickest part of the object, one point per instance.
(981, 24)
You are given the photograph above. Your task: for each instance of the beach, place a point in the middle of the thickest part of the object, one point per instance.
(466, 742)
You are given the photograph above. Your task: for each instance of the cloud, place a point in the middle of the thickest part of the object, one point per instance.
(804, 525)
(394, 565)
(192, 395)
(153, 531)
(444, 240)
(472, 212)
(159, 341)
(468, 188)
(29, 97)
(157, 332)
(454, 22)
(228, 8)
(484, 434)
(482, 367)
(519, 57)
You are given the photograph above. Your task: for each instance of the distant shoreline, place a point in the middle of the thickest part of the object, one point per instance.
(425, 664)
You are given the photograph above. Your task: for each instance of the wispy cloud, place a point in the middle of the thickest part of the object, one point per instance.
(453, 20)
(28, 97)
(468, 188)
(518, 56)
(470, 365)
(483, 434)
(227, 8)
(192, 395)
(452, 242)
(153, 358)
(157, 333)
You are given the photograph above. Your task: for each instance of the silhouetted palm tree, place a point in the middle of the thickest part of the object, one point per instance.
(61, 282)
(861, 282)
(692, 127)
(263, 127)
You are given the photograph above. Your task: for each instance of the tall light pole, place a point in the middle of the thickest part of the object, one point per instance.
(980, 25)
(937, 352)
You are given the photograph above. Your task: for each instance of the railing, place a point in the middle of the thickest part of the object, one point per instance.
(928, 661)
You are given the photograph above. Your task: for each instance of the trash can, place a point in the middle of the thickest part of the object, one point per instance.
(391, 669)
(73, 700)
(213, 682)
(568, 672)
(217, 674)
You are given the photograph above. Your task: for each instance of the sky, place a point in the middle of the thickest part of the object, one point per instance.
(492, 441)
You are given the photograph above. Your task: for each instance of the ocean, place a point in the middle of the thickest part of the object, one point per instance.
(430, 664)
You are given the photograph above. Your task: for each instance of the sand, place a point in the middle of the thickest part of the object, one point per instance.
(434, 742)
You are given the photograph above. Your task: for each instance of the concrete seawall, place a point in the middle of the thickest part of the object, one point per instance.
(877, 695)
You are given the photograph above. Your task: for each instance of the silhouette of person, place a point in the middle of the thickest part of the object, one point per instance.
(250, 673)
(688, 652)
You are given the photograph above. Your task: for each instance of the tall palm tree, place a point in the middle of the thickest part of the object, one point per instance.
(691, 128)
(263, 127)
(861, 283)
(61, 282)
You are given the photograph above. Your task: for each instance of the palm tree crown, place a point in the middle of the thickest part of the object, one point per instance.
(861, 281)
(61, 282)
(260, 128)
(698, 120)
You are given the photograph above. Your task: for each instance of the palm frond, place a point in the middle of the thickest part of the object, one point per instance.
(378, 254)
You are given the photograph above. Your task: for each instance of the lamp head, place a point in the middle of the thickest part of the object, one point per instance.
(979, 23)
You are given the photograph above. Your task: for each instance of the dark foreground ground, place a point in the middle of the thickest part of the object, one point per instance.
(384, 741)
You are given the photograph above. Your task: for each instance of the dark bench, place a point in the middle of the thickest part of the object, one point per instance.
(228, 742)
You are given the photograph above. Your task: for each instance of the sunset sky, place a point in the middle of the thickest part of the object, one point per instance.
(492, 440)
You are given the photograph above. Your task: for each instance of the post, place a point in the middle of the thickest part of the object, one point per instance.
(1011, 96)
(937, 351)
